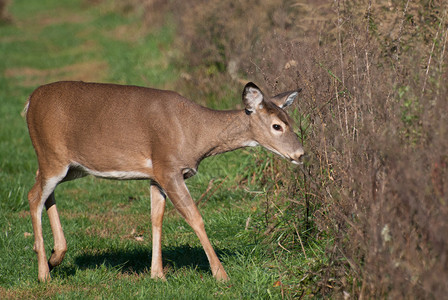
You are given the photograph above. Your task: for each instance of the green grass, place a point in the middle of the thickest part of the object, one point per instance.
(51, 40)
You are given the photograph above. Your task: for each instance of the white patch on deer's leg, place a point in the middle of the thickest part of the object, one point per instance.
(42, 190)
(148, 163)
(48, 188)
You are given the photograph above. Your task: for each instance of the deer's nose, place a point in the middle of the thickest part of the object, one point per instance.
(295, 158)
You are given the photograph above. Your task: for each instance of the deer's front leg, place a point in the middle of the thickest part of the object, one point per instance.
(157, 211)
(178, 192)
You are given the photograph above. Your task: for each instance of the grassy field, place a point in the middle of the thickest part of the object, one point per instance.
(107, 223)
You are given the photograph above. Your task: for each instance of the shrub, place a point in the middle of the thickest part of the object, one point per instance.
(378, 137)
(4, 15)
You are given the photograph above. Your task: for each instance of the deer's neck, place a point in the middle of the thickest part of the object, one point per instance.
(226, 131)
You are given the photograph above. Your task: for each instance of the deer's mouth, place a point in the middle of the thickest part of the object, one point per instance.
(296, 162)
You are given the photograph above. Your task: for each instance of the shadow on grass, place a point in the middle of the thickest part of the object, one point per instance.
(138, 260)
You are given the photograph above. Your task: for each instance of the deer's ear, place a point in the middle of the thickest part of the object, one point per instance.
(252, 97)
(285, 99)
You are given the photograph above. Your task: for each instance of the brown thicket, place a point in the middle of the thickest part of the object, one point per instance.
(4, 15)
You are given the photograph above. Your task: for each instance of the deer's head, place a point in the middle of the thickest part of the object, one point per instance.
(270, 125)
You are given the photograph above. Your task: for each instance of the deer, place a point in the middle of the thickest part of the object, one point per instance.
(128, 132)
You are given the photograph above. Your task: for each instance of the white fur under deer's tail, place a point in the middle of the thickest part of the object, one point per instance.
(25, 109)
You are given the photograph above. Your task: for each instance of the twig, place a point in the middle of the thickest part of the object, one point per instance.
(281, 246)
(340, 43)
(293, 201)
(369, 84)
(247, 223)
(213, 192)
(429, 60)
(400, 32)
(209, 187)
(300, 240)
(442, 54)
(443, 47)
(266, 79)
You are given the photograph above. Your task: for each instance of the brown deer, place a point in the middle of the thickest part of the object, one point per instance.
(129, 132)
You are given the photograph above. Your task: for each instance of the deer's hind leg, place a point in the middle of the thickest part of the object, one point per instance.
(42, 194)
(60, 245)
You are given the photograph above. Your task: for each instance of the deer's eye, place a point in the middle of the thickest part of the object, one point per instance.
(277, 127)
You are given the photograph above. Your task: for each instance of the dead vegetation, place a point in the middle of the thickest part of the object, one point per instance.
(4, 15)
